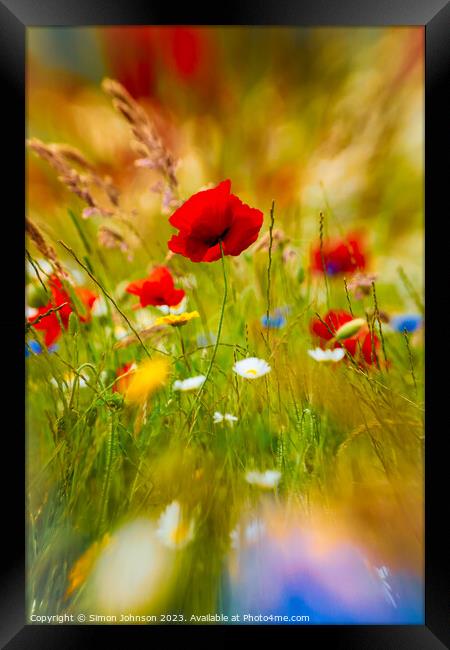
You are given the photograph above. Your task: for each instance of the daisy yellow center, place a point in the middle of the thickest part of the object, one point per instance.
(179, 533)
(251, 371)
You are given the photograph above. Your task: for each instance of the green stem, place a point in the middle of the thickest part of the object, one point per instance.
(377, 316)
(183, 349)
(216, 345)
(80, 232)
(76, 379)
(410, 356)
(348, 298)
(410, 289)
(322, 258)
(107, 476)
(269, 267)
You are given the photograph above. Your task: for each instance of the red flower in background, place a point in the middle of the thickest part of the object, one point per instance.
(338, 256)
(87, 298)
(137, 55)
(358, 345)
(158, 289)
(210, 217)
(51, 324)
(131, 55)
(186, 50)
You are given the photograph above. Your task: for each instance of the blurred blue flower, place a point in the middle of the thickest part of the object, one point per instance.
(277, 320)
(408, 322)
(32, 347)
(336, 585)
(36, 348)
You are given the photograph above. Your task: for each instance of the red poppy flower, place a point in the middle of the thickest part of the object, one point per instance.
(359, 345)
(158, 289)
(51, 324)
(210, 217)
(338, 256)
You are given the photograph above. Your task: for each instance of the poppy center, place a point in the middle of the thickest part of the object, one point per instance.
(217, 240)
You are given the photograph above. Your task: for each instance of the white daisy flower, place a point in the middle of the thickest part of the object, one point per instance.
(327, 355)
(267, 480)
(251, 368)
(173, 531)
(227, 417)
(189, 384)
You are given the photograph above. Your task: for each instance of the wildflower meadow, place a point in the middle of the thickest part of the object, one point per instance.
(224, 325)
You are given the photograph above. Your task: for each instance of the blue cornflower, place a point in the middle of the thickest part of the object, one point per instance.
(276, 321)
(408, 322)
(32, 347)
(36, 348)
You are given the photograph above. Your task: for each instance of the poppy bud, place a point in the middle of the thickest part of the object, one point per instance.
(349, 329)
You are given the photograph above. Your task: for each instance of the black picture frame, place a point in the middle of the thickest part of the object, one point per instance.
(15, 17)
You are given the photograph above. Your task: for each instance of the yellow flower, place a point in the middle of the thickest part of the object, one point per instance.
(146, 379)
(176, 320)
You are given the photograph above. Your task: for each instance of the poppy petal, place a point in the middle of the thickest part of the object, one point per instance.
(245, 227)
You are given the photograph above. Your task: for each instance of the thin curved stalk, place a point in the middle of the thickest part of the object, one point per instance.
(216, 345)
